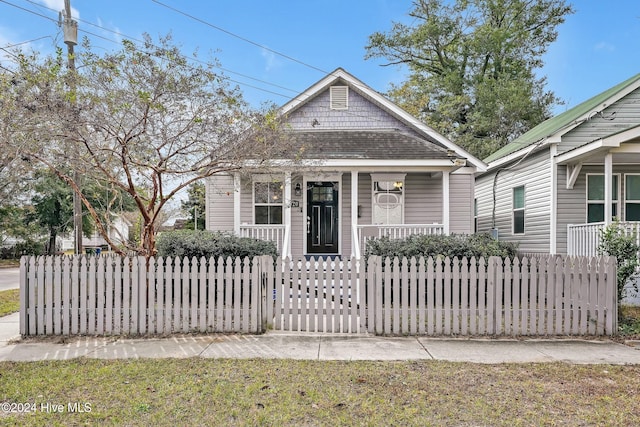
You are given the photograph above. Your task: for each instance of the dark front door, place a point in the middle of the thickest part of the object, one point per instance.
(322, 218)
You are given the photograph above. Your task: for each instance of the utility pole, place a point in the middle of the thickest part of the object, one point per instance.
(70, 30)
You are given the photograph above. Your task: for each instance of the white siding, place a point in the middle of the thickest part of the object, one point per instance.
(534, 173)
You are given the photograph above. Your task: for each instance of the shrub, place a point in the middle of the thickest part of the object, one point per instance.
(189, 243)
(475, 245)
(614, 242)
(28, 247)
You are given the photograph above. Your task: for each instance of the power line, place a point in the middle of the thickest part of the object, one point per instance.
(290, 58)
(25, 42)
(300, 97)
(227, 70)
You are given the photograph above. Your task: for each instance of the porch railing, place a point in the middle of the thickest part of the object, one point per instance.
(584, 239)
(398, 231)
(273, 233)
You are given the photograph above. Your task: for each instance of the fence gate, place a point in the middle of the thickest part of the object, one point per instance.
(316, 295)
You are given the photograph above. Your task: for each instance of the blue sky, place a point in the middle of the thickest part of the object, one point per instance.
(598, 46)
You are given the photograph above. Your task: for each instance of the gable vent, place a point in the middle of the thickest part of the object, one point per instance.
(339, 97)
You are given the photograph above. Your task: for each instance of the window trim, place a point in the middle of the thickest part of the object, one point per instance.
(475, 215)
(632, 201)
(262, 179)
(522, 209)
(614, 201)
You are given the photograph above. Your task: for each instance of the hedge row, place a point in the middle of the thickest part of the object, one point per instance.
(476, 245)
(189, 243)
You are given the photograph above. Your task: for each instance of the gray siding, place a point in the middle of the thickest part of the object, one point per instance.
(361, 114)
(618, 116)
(534, 173)
(423, 198)
(219, 201)
(572, 204)
(298, 223)
(461, 203)
(345, 232)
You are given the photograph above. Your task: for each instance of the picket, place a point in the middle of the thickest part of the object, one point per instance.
(544, 296)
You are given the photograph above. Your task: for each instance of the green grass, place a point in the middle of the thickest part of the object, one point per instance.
(9, 301)
(285, 392)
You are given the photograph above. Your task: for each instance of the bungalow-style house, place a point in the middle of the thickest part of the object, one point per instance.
(370, 169)
(556, 186)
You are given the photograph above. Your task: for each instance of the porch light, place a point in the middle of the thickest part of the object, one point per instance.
(398, 185)
(298, 190)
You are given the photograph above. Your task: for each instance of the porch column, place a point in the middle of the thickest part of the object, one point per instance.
(355, 242)
(445, 201)
(236, 203)
(553, 220)
(286, 243)
(608, 181)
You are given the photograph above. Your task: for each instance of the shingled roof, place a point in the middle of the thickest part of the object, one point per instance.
(364, 144)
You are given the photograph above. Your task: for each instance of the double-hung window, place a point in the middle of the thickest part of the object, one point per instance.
(267, 200)
(595, 197)
(518, 210)
(632, 197)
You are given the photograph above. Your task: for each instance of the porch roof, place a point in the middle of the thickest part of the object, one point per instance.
(367, 144)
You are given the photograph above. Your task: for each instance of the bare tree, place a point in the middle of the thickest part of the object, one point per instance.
(144, 120)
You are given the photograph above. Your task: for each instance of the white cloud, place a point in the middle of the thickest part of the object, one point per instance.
(604, 46)
(271, 60)
(59, 5)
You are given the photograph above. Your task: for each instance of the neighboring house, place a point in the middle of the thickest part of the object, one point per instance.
(118, 232)
(373, 170)
(556, 186)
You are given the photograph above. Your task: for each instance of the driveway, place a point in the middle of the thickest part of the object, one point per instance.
(9, 278)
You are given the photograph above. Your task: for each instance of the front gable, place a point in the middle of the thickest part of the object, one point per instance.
(342, 103)
(361, 113)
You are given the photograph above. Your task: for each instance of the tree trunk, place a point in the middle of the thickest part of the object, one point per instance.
(51, 247)
(148, 241)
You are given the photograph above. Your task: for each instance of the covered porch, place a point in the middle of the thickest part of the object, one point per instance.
(602, 186)
(344, 209)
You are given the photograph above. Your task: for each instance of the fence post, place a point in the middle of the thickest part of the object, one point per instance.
(24, 292)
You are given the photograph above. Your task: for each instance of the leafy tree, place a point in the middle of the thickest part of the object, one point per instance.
(144, 120)
(14, 223)
(52, 208)
(195, 206)
(472, 66)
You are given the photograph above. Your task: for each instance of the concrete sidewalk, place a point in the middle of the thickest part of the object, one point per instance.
(275, 345)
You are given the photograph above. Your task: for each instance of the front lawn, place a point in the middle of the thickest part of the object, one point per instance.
(9, 301)
(285, 392)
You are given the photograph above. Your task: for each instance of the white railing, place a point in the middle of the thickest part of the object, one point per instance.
(398, 231)
(584, 239)
(272, 233)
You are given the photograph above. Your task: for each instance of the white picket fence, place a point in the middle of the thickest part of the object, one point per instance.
(113, 295)
(124, 296)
